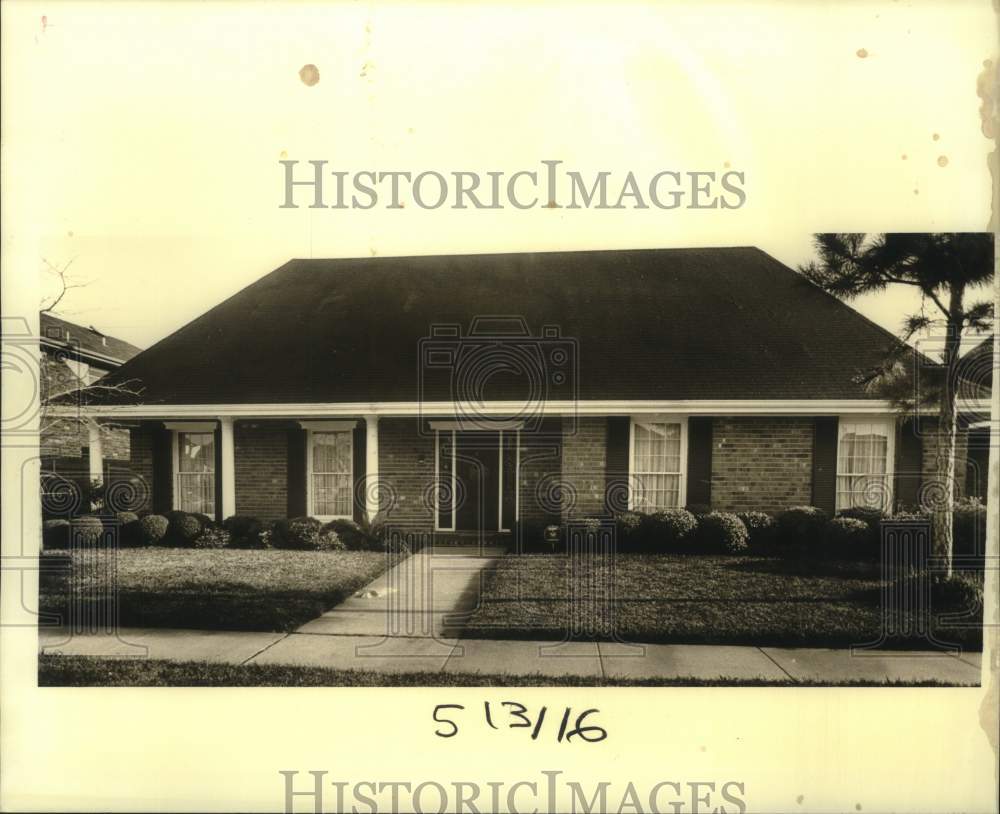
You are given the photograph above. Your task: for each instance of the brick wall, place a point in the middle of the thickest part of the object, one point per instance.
(584, 463)
(406, 470)
(929, 441)
(541, 473)
(762, 464)
(261, 470)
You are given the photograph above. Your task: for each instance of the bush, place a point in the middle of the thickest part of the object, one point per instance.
(55, 534)
(698, 509)
(128, 528)
(627, 525)
(204, 519)
(665, 531)
(182, 529)
(760, 528)
(153, 529)
(850, 537)
(305, 534)
(244, 531)
(212, 536)
(801, 526)
(969, 528)
(722, 532)
(86, 530)
(957, 592)
(871, 517)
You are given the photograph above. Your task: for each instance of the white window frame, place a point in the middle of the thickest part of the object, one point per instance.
(450, 427)
(633, 476)
(175, 453)
(889, 423)
(310, 501)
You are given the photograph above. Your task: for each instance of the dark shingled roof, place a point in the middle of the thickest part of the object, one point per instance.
(716, 323)
(61, 333)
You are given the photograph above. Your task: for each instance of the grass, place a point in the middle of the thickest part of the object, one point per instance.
(218, 589)
(695, 599)
(87, 671)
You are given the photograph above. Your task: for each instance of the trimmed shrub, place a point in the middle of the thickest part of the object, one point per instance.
(699, 509)
(86, 530)
(969, 528)
(870, 516)
(153, 529)
(760, 528)
(627, 525)
(182, 529)
(128, 528)
(850, 537)
(957, 592)
(212, 536)
(204, 519)
(55, 534)
(244, 531)
(801, 526)
(669, 530)
(305, 534)
(723, 532)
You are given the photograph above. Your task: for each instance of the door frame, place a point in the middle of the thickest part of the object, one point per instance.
(453, 428)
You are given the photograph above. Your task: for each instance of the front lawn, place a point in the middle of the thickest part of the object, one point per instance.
(217, 589)
(87, 671)
(693, 599)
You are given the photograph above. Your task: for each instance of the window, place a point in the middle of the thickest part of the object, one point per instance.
(195, 471)
(331, 474)
(864, 464)
(658, 453)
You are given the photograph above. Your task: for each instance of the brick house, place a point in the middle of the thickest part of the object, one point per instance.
(73, 357)
(460, 394)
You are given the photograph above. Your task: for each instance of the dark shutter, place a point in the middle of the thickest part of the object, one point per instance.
(909, 464)
(616, 470)
(699, 463)
(218, 474)
(297, 472)
(824, 474)
(163, 469)
(360, 469)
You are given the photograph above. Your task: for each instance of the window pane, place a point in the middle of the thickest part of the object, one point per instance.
(332, 452)
(656, 492)
(196, 492)
(331, 494)
(863, 465)
(657, 448)
(196, 452)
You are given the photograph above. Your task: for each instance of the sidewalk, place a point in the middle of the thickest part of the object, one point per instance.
(410, 618)
(416, 654)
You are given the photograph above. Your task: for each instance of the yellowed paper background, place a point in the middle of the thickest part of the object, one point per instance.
(143, 140)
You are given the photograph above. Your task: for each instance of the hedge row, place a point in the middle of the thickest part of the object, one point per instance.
(179, 529)
(851, 534)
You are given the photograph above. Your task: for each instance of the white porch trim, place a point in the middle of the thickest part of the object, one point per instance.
(371, 466)
(502, 409)
(228, 475)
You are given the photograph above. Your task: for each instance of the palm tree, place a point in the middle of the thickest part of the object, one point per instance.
(945, 268)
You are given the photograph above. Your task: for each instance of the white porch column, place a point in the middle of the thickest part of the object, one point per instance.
(228, 467)
(371, 465)
(96, 451)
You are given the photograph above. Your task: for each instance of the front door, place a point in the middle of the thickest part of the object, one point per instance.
(477, 477)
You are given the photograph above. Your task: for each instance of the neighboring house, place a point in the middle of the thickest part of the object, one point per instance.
(610, 379)
(976, 372)
(73, 357)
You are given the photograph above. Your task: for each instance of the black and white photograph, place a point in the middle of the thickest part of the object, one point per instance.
(673, 466)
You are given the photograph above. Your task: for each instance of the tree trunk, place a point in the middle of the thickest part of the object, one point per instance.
(947, 435)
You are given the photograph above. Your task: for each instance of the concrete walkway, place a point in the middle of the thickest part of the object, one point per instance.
(409, 619)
